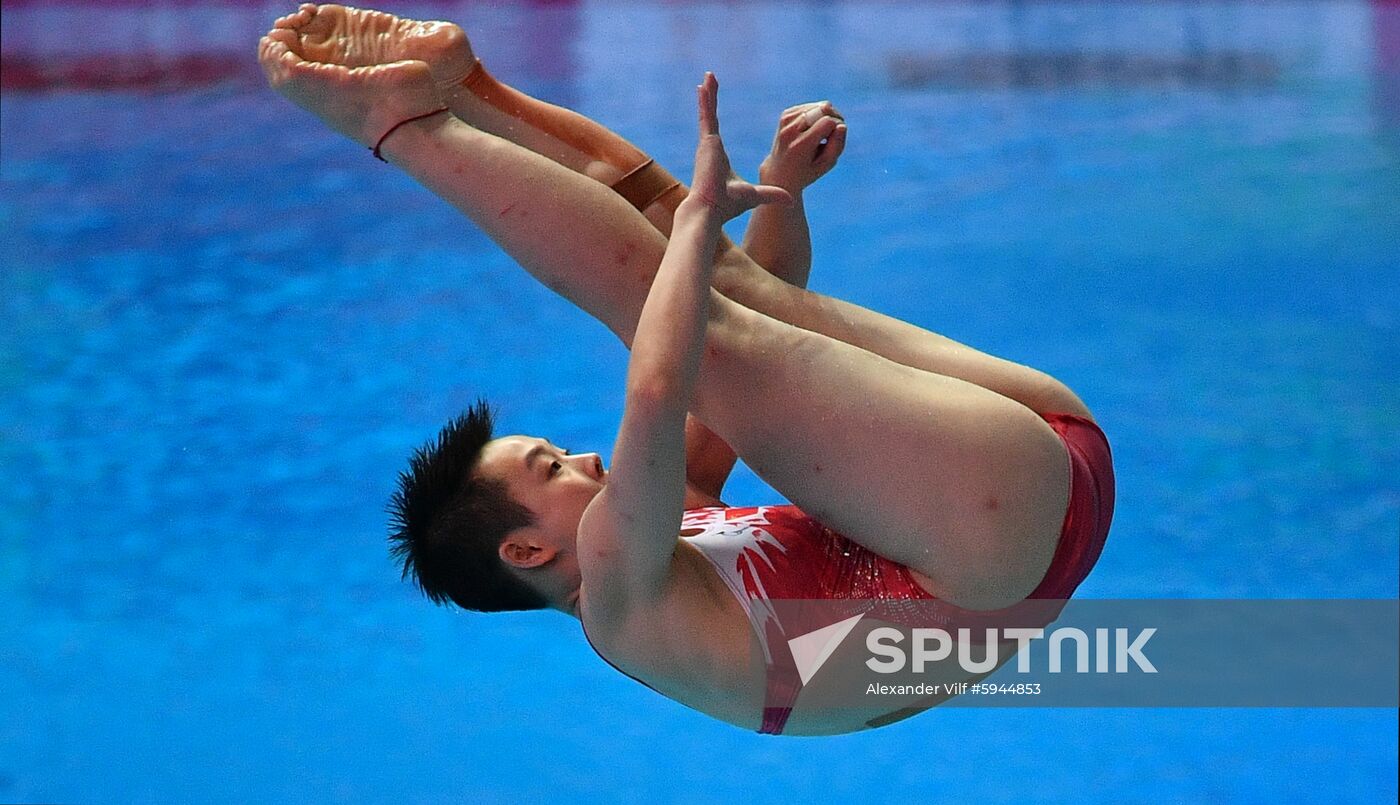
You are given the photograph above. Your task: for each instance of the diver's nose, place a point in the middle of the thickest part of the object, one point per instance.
(593, 463)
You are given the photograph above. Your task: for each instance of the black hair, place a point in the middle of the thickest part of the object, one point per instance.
(447, 522)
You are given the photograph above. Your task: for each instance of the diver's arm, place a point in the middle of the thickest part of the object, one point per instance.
(809, 140)
(642, 502)
(629, 531)
(708, 462)
(779, 240)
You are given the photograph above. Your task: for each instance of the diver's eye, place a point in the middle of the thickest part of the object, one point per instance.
(554, 468)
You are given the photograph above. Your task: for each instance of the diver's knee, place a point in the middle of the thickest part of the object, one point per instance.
(1054, 397)
(738, 277)
(741, 338)
(730, 330)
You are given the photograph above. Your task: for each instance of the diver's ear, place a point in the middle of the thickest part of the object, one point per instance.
(519, 550)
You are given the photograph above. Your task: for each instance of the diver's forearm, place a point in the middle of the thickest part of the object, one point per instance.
(778, 239)
(645, 495)
(671, 330)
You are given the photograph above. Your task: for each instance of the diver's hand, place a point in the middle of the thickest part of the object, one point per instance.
(715, 184)
(810, 138)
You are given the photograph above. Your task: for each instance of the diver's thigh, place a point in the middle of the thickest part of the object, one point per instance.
(739, 279)
(958, 482)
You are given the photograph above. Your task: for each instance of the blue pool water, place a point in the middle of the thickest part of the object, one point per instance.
(224, 328)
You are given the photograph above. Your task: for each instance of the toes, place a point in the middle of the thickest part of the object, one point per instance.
(274, 56)
(283, 36)
(320, 19)
(279, 46)
(270, 49)
(332, 17)
(263, 46)
(297, 18)
(316, 25)
(277, 51)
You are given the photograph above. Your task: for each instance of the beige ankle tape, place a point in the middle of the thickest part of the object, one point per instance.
(645, 184)
(641, 186)
(574, 130)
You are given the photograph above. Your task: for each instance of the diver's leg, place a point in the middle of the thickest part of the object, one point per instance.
(570, 232)
(960, 483)
(355, 37)
(963, 485)
(891, 338)
(608, 288)
(566, 230)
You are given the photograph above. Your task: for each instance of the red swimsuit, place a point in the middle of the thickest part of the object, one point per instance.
(776, 553)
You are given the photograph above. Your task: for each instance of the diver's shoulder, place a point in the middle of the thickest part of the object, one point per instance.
(689, 644)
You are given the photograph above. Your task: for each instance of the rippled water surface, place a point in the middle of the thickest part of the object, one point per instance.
(224, 329)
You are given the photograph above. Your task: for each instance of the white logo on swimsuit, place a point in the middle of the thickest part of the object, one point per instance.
(810, 651)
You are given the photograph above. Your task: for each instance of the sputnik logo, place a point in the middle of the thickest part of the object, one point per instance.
(810, 651)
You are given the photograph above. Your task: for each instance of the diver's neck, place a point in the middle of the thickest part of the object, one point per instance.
(571, 604)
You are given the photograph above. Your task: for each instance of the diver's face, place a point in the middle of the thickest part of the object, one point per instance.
(553, 484)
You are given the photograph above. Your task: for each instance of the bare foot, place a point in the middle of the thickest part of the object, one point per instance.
(355, 37)
(360, 102)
